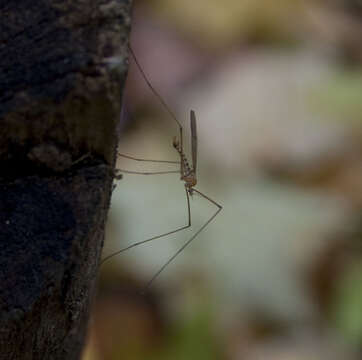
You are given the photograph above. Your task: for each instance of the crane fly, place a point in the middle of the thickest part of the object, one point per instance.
(187, 173)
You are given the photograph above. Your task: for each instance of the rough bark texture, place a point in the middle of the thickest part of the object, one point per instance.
(62, 69)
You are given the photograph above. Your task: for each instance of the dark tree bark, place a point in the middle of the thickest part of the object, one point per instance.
(62, 70)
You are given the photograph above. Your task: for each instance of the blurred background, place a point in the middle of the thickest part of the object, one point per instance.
(277, 91)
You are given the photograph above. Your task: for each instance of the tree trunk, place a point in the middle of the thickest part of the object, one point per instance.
(62, 70)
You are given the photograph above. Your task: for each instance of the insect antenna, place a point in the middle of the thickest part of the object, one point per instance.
(156, 93)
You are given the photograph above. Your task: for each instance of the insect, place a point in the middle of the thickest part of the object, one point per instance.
(187, 173)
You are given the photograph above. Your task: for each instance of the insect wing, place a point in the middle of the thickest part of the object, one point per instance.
(193, 139)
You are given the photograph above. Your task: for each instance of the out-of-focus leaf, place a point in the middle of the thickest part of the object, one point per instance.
(348, 305)
(193, 338)
(341, 96)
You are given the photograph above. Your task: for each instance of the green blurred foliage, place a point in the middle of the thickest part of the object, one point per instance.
(193, 338)
(347, 310)
(341, 96)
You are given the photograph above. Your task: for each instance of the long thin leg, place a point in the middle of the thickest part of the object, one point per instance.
(188, 241)
(148, 173)
(154, 237)
(147, 160)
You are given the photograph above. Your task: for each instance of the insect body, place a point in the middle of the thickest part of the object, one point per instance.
(187, 174)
